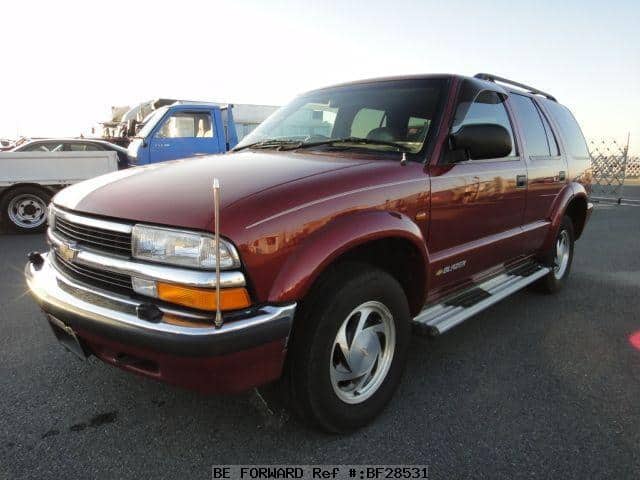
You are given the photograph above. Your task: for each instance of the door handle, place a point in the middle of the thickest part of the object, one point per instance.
(562, 175)
(521, 181)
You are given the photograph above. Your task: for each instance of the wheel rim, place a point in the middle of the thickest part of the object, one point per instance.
(563, 249)
(27, 211)
(362, 352)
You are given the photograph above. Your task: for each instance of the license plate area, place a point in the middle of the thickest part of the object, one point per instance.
(67, 337)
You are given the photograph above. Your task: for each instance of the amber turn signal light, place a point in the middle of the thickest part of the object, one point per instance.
(202, 298)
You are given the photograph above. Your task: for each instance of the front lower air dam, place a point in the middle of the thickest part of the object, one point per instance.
(216, 221)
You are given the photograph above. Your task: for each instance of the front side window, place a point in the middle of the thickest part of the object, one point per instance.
(487, 107)
(186, 125)
(384, 116)
(44, 147)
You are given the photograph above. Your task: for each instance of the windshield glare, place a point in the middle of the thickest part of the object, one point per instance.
(150, 121)
(391, 111)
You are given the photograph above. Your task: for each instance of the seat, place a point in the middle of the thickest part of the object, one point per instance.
(384, 134)
(204, 128)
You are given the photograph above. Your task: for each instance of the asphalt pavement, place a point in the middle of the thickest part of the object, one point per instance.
(535, 387)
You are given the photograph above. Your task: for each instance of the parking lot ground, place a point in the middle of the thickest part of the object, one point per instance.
(535, 387)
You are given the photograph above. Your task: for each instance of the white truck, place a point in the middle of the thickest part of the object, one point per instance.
(29, 179)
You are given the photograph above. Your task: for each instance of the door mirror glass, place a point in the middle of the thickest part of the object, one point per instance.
(482, 141)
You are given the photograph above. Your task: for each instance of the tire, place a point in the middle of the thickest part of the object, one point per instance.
(322, 389)
(25, 209)
(559, 259)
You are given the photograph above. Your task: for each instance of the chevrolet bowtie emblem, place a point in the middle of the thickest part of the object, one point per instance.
(67, 251)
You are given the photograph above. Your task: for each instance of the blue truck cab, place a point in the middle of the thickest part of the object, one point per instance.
(181, 131)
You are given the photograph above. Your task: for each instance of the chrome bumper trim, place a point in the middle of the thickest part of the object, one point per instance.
(182, 276)
(47, 286)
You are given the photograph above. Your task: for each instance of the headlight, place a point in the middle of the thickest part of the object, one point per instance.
(186, 249)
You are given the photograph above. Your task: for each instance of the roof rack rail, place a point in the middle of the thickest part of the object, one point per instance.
(495, 78)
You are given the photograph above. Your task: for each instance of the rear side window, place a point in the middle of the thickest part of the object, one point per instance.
(569, 129)
(83, 147)
(535, 135)
(551, 139)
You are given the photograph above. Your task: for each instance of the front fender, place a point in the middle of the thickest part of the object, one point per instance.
(340, 235)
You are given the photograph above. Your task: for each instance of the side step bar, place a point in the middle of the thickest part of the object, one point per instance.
(438, 318)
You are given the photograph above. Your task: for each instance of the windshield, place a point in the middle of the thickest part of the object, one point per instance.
(387, 115)
(150, 121)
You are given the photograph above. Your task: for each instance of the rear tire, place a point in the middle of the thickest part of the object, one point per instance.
(25, 209)
(348, 348)
(559, 259)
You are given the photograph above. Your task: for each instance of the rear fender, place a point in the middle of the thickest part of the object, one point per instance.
(324, 246)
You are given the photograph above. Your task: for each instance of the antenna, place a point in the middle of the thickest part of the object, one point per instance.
(216, 221)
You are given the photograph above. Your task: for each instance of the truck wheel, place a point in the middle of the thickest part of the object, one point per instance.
(25, 209)
(349, 348)
(559, 259)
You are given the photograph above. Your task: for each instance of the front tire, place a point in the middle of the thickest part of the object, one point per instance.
(349, 348)
(559, 259)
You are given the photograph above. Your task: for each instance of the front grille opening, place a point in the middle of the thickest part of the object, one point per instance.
(96, 238)
(99, 278)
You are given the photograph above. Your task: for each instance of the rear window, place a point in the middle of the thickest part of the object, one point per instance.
(570, 130)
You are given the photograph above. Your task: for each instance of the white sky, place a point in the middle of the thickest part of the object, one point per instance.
(63, 64)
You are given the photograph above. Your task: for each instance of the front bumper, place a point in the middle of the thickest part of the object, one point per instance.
(248, 350)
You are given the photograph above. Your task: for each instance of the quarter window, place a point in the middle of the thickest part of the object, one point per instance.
(570, 130)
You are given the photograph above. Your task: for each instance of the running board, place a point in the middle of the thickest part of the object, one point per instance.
(438, 318)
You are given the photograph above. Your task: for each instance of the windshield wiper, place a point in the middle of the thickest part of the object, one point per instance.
(356, 140)
(270, 143)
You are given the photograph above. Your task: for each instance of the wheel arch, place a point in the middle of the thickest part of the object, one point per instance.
(577, 211)
(36, 186)
(572, 202)
(386, 240)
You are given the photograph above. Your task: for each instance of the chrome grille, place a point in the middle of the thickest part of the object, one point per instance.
(93, 237)
(95, 277)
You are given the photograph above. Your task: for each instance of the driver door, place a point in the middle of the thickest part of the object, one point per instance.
(477, 206)
(184, 134)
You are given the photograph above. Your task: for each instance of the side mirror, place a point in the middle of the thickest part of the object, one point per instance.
(481, 141)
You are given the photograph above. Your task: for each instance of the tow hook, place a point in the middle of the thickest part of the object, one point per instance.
(35, 258)
(149, 312)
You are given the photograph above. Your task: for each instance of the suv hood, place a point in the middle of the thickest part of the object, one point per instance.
(179, 193)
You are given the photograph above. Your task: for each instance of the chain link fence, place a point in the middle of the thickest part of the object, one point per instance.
(611, 166)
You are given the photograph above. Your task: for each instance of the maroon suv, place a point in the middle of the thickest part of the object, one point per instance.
(349, 216)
